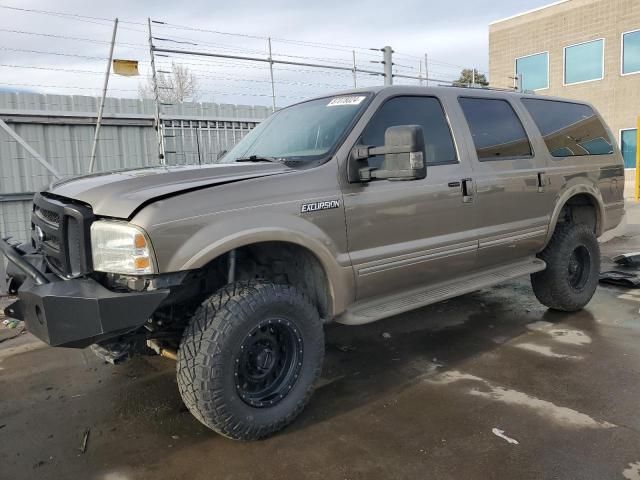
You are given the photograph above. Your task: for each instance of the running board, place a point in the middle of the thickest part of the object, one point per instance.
(372, 310)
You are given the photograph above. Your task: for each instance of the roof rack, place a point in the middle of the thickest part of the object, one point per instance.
(483, 87)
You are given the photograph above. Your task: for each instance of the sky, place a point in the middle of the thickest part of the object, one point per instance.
(66, 52)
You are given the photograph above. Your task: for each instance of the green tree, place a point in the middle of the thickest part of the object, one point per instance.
(467, 77)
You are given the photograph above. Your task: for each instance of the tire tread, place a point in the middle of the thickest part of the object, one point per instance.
(199, 369)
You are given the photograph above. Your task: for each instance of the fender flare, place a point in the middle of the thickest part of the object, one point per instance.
(339, 278)
(566, 195)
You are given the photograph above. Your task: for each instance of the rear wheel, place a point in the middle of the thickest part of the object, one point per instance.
(249, 359)
(573, 266)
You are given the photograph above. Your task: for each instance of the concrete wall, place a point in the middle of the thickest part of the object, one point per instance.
(551, 29)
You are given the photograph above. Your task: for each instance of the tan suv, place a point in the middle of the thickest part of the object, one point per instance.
(347, 208)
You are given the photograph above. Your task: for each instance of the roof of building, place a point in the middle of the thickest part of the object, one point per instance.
(529, 11)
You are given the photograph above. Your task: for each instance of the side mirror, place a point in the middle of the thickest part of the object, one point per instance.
(404, 155)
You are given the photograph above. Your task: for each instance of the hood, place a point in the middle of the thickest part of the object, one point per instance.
(119, 194)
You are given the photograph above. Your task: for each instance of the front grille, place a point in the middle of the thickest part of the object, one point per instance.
(60, 230)
(47, 215)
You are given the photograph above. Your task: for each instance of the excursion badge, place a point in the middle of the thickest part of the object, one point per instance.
(315, 206)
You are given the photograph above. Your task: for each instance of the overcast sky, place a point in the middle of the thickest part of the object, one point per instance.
(452, 33)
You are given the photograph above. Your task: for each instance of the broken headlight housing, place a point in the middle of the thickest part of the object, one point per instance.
(120, 247)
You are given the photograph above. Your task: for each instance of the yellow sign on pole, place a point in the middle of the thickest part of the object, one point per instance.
(127, 68)
(638, 160)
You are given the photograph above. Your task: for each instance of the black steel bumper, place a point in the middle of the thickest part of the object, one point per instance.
(74, 313)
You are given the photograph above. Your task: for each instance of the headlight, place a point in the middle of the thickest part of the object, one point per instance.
(119, 247)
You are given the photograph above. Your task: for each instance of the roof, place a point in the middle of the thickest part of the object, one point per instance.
(530, 11)
(446, 90)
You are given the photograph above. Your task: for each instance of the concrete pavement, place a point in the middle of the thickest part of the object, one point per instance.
(414, 396)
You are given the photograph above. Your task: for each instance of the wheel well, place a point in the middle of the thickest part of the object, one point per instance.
(283, 262)
(583, 209)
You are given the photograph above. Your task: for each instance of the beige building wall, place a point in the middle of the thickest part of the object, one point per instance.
(565, 23)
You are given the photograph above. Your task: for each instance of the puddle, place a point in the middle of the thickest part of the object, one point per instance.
(563, 416)
(563, 335)
(632, 472)
(546, 351)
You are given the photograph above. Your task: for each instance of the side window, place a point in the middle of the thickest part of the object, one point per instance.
(424, 111)
(496, 129)
(569, 129)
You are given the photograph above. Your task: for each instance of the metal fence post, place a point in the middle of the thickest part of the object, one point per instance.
(426, 68)
(355, 77)
(273, 87)
(92, 162)
(156, 95)
(388, 65)
(518, 82)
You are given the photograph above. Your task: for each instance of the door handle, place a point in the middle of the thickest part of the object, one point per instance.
(467, 190)
(542, 182)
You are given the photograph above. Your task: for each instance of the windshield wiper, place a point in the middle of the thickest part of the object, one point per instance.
(257, 158)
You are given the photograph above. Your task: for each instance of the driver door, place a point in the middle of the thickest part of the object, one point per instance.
(407, 234)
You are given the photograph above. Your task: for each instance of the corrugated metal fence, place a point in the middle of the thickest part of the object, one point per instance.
(61, 129)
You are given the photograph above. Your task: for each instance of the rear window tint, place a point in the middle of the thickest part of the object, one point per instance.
(569, 129)
(497, 131)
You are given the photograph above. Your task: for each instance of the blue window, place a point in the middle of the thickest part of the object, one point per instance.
(584, 62)
(597, 146)
(631, 52)
(562, 152)
(534, 70)
(629, 145)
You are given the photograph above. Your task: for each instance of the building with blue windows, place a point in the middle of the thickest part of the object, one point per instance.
(583, 49)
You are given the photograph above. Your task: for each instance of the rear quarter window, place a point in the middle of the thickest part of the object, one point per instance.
(569, 129)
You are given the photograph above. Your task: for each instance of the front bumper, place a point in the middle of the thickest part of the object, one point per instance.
(75, 313)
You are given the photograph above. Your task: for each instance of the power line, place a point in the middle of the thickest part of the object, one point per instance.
(41, 52)
(92, 19)
(64, 37)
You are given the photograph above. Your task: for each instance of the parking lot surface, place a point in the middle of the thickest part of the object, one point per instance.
(444, 392)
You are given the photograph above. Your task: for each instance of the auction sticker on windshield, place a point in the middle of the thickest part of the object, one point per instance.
(350, 100)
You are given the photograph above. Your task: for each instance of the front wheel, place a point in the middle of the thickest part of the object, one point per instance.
(573, 267)
(249, 359)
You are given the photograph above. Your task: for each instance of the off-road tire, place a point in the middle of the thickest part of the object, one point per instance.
(554, 287)
(209, 351)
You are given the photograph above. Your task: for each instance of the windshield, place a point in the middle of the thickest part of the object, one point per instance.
(305, 132)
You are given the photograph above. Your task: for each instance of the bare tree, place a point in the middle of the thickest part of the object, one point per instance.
(180, 85)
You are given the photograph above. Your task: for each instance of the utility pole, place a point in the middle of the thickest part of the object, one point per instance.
(420, 71)
(156, 95)
(273, 88)
(473, 77)
(92, 162)
(388, 65)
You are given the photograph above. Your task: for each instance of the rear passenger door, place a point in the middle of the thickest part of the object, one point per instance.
(513, 204)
